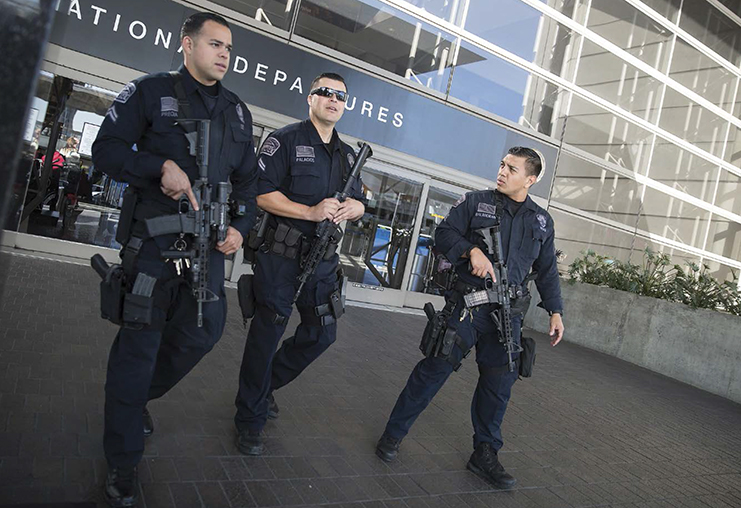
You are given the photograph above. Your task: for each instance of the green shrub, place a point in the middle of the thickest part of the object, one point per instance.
(657, 277)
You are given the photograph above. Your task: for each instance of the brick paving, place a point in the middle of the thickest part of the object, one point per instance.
(588, 430)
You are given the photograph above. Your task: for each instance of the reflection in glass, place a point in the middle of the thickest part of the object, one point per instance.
(733, 147)
(713, 28)
(703, 75)
(31, 185)
(431, 272)
(724, 238)
(667, 8)
(524, 31)
(600, 132)
(277, 13)
(629, 29)
(690, 121)
(683, 170)
(728, 196)
(374, 250)
(588, 187)
(78, 202)
(382, 36)
(673, 218)
(720, 271)
(611, 78)
(575, 235)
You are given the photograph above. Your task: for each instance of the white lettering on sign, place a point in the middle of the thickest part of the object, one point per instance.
(158, 37)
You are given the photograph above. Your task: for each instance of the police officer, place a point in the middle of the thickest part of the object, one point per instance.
(300, 166)
(527, 241)
(144, 364)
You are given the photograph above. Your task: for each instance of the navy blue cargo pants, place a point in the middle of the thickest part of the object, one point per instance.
(492, 391)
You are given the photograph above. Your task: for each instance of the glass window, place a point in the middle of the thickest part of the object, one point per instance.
(733, 147)
(574, 9)
(713, 28)
(611, 78)
(728, 196)
(667, 8)
(524, 31)
(678, 256)
(32, 186)
(703, 75)
(382, 36)
(543, 106)
(575, 235)
(488, 82)
(733, 5)
(584, 185)
(724, 238)
(628, 28)
(720, 271)
(430, 272)
(690, 121)
(277, 13)
(374, 250)
(673, 218)
(600, 132)
(79, 203)
(683, 170)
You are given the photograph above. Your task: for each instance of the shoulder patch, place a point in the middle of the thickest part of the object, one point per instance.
(460, 200)
(240, 114)
(126, 93)
(542, 221)
(269, 147)
(351, 159)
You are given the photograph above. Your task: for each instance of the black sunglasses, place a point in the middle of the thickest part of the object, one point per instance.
(325, 91)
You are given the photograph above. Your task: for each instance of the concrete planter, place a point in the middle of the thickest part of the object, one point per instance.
(697, 346)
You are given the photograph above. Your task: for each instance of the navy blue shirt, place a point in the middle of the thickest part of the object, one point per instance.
(527, 241)
(295, 161)
(144, 115)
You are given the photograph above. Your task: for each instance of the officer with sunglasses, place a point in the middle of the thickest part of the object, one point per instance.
(300, 165)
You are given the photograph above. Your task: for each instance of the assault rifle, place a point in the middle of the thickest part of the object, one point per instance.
(497, 293)
(327, 232)
(207, 225)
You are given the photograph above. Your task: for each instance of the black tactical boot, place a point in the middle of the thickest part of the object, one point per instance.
(273, 410)
(148, 423)
(485, 464)
(387, 448)
(121, 487)
(249, 442)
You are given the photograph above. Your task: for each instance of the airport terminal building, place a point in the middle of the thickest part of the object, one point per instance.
(636, 106)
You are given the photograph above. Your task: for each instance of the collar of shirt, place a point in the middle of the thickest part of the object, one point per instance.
(190, 86)
(528, 203)
(316, 140)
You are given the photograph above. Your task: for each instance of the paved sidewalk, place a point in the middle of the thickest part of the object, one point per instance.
(587, 430)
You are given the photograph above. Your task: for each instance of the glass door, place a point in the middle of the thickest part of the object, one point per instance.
(431, 272)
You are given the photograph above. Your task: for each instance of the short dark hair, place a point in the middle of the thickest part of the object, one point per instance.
(532, 159)
(195, 22)
(329, 75)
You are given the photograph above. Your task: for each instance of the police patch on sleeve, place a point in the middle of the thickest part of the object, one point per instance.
(126, 93)
(269, 147)
(460, 200)
(350, 159)
(542, 221)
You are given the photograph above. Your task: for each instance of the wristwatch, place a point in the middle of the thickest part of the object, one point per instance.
(552, 312)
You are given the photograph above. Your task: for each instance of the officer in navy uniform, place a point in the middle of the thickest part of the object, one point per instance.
(144, 364)
(527, 241)
(299, 165)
